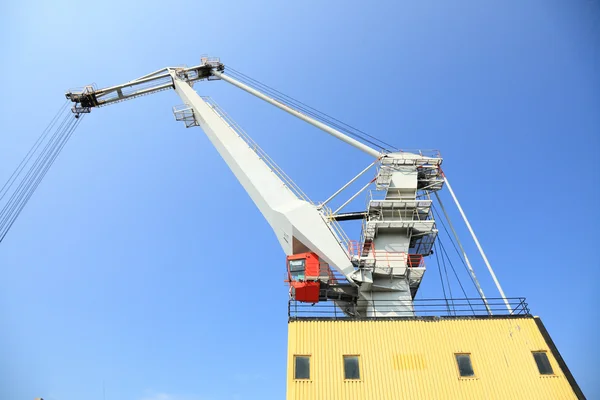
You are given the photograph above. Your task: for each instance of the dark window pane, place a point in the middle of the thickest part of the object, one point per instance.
(302, 368)
(297, 268)
(297, 276)
(464, 365)
(543, 364)
(351, 370)
(296, 265)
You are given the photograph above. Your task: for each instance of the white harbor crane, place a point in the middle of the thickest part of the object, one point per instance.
(376, 276)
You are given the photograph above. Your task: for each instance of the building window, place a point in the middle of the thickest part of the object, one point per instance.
(301, 367)
(543, 364)
(351, 368)
(465, 368)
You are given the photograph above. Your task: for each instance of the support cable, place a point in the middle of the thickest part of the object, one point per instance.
(306, 106)
(310, 111)
(39, 178)
(320, 118)
(36, 163)
(439, 219)
(463, 258)
(292, 111)
(441, 245)
(485, 260)
(7, 185)
(32, 179)
(24, 185)
(448, 281)
(437, 258)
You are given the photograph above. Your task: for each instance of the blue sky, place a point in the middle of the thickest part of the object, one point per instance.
(141, 266)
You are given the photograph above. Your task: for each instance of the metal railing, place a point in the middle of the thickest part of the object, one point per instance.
(335, 227)
(367, 254)
(430, 153)
(463, 307)
(409, 209)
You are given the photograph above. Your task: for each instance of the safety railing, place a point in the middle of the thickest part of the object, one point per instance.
(204, 59)
(325, 271)
(412, 209)
(366, 253)
(415, 261)
(288, 182)
(335, 227)
(431, 153)
(363, 309)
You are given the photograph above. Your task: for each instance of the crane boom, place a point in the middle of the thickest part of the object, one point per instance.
(298, 224)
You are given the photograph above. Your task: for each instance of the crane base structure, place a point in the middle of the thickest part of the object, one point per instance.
(357, 329)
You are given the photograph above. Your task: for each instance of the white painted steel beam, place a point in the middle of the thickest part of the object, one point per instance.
(296, 223)
(464, 253)
(485, 260)
(333, 132)
(340, 190)
(353, 197)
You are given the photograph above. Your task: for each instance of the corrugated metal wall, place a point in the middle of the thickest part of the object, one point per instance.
(415, 359)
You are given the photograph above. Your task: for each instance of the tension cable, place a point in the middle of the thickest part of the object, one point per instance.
(30, 172)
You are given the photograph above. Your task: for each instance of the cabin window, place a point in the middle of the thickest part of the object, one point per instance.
(297, 268)
(465, 368)
(351, 367)
(543, 363)
(301, 367)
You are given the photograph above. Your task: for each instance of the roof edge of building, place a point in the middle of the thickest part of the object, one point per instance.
(417, 318)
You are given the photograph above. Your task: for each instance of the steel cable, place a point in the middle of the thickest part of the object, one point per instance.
(310, 111)
(17, 195)
(40, 177)
(437, 258)
(315, 115)
(7, 185)
(36, 163)
(291, 99)
(447, 280)
(439, 218)
(441, 245)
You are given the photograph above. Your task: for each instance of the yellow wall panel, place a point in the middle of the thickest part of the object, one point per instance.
(415, 359)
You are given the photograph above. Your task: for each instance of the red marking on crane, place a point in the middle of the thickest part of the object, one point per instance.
(303, 276)
(307, 292)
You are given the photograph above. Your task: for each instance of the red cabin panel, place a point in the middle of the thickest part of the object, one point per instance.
(307, 292)
(303, 266)
(303, 275)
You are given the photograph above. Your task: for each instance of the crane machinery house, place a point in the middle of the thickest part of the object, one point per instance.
(356, 329)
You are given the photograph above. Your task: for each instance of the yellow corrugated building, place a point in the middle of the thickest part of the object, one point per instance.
(418, 358)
